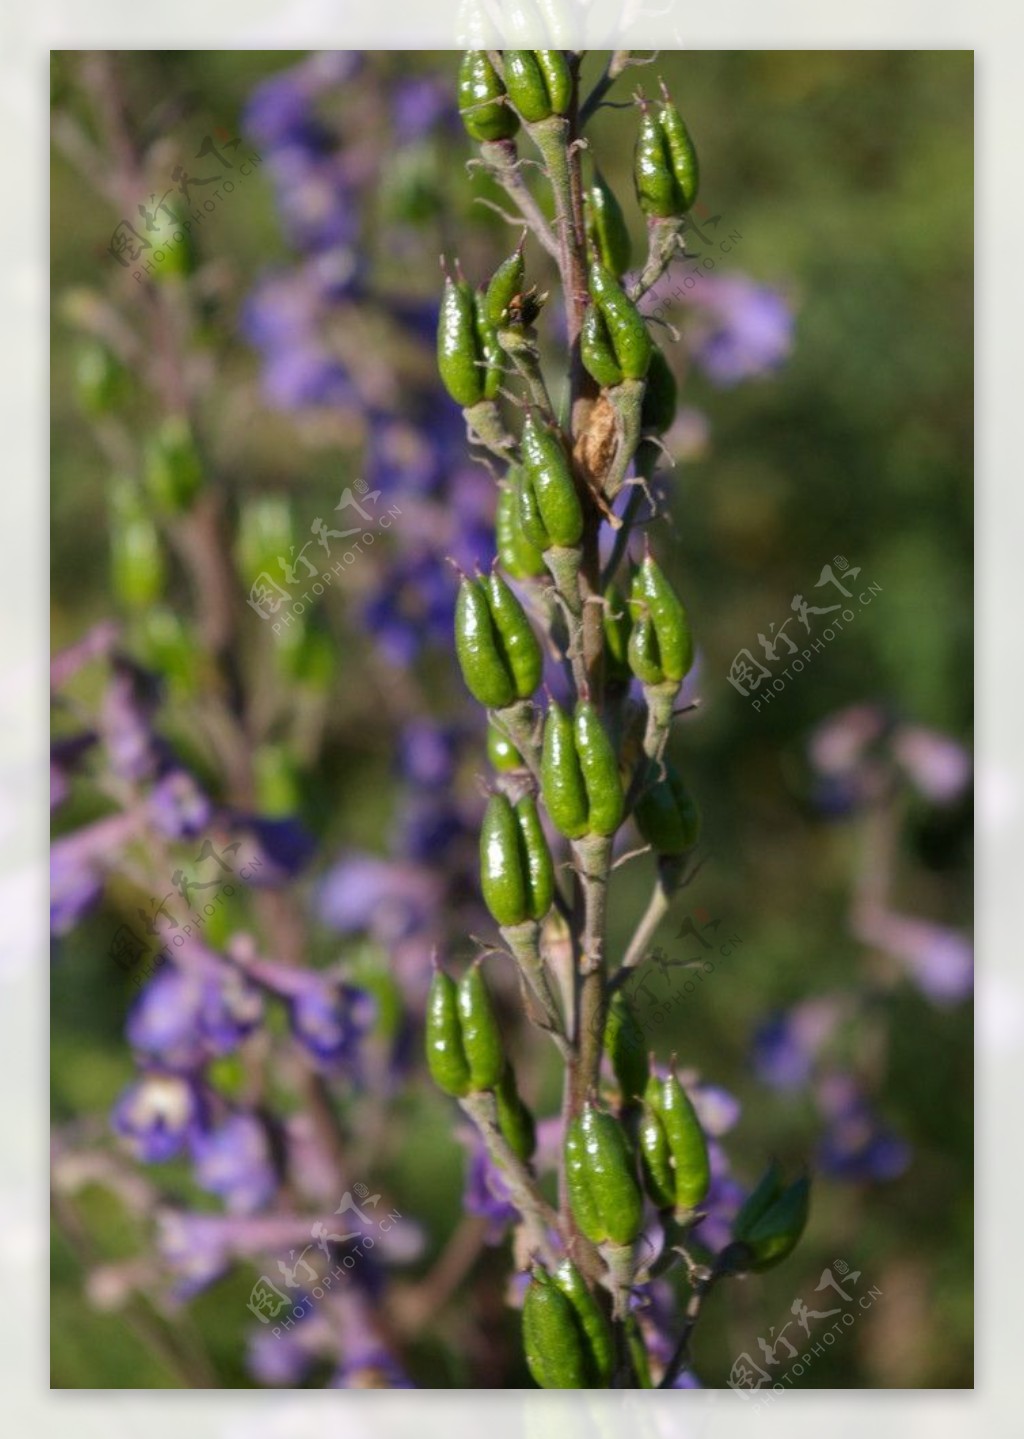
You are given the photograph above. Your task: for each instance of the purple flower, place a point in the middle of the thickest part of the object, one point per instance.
(856, 1145)
(410, 606)
(233, 1161)
(420, 104)
(184, 1017)
(388, 899)
(746, 329)
(158, 1114)
(486, 1194)
(178, 807)
(787, 1044)
(939, 960)
(330, 1020)
(427, 754)
(936, 765)
(197, 1247)
(126, 724)
(283, 1360)
(65, 758)
(278, 849)
(77, 865)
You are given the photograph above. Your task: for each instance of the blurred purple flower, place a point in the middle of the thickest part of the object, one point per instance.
(421, 103)
(787, 1044)
(177, 806)
(936, 765)
(330, 1020)
(746, 329)
(184, 1017)
(410, 606)
(386, 898)
(856, 1145)
(427, 753)
(940, 961)
(370, 1366)
(282, 1360)
(126, 723)
(77, 864)
(196, 1247)
(158, 1114)
(65, 758)
(233, 1160)
(486, 1194)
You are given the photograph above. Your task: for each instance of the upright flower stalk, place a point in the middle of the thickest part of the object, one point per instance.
(623, 638)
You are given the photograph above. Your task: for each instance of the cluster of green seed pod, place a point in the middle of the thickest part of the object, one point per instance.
(539, 83)
(579, 773)
(614, 343)
(769, 1224)
(482, 100)
(465, 1054)
(673, 1150)
(665, 166)
(566, 1334)
(600, 1175)
(550, 513)
(469, 358)
(496, 647)
(660, 643)
(520, 557)
(516, 873)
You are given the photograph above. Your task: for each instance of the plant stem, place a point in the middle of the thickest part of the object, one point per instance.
(522, 1187)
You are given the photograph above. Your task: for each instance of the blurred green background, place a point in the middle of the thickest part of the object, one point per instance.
(849, 177)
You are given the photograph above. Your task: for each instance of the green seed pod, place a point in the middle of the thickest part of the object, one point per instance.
(530, 521)
(540, 872)
(552, 1341)
(759, 1200)
(656, 188)
(667, 815)
(656, 1161)
(481, 654)
(660, 397)
(681, 150)
(771, 1230)
(671, 625)
(481, 1037)
(686, 1143)
(519, 556)
(606, 226)
(501, 752)
(173, 471)
(515, 634)
(481, 93)
(490, 351)
(446, 1058)
(624, 1043)
(627, 328)
(593, 1321)
(600, 769)
(596, 350)
(503, 876)
(506, 283)
(539, 83)
(601, 1179)
(458, 346)
(617, 626)
(546, 468)
(643, 652)
(561, 777)
(137, 570)
(514, 1119)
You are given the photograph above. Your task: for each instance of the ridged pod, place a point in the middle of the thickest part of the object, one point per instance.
(672, 653)
(562, 785)
(601, 1179)
(446, 1058)
(495, 644)
(624, 1043)
(606, 226)
(625, 325)
(670, 1107)
(516, 874)
(459, 353)
(481, 1037)
(520, 557)
(514, 1119)
(539, 83)
(547, 472)
(667, 815)
(600, 768)
(506, 283)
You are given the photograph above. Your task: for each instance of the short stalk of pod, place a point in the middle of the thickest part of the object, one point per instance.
(566, 1335)
(601, 1179)
(673, 1149)
(524, 942)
